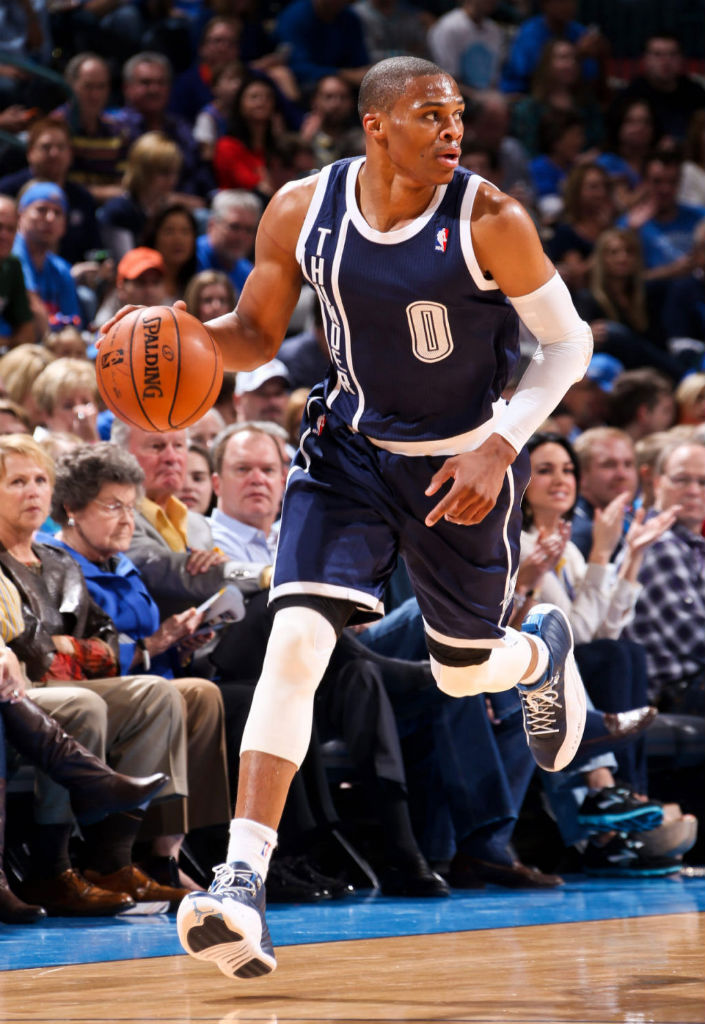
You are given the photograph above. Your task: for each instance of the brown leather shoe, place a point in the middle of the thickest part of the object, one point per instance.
(71, 895)
(139, 885)
(472, 873)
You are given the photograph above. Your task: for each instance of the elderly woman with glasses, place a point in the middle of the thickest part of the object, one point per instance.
(94, 502)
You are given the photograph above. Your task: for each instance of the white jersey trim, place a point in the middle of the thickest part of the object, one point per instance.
(466, 234)
(367, 602)
(313, 207)
(396, 234)
(344, 325)
(454, 641)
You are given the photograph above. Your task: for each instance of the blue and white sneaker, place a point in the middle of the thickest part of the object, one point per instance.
(615, 808)
(227, 923)
(554, 706)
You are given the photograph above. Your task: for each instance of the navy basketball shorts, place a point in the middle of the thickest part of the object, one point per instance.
(351, 508)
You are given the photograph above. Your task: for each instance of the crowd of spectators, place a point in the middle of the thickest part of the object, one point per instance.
(139, 145)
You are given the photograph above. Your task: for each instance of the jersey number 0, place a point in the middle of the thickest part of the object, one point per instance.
(431, 339)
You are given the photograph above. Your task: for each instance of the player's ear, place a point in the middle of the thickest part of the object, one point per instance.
(372, 122)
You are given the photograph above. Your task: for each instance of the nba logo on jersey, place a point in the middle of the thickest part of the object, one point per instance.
(320, 424)
(442, 240)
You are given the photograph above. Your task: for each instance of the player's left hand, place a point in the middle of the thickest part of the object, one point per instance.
(477, 480)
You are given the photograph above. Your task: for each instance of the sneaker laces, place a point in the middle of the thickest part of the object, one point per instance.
(541, 707)
(227, 877)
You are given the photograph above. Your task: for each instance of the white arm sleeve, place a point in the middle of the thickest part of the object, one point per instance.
(561, 359)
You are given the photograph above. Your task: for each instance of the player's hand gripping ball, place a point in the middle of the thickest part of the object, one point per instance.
(159, 368)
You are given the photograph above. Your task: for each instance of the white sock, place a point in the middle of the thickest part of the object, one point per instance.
(541, 665)
(253, 843)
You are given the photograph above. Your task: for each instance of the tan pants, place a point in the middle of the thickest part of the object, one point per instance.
(135, 723)
(208, 800)
(141, 725)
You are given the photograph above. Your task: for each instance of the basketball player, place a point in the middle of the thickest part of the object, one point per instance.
(407, 447)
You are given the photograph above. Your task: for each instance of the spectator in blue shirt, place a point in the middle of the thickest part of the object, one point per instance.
(561, 138)
(49, 158)
(43, 213)
(230, 235)
(556, 22)
(665, 226)
(325, 37)
(146, 84)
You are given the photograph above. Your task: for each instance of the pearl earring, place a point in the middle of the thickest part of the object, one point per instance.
(70, 521)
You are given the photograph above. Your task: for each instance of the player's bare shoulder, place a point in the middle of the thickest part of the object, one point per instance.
(286, 211)
(505, 240)
(494, 212)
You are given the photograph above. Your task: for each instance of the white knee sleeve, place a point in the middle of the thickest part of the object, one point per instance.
(299, 648)
(503, 669)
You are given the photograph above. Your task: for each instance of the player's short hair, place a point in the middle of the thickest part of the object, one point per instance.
(386, 81)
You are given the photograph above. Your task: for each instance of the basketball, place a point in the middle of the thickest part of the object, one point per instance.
(158, 368)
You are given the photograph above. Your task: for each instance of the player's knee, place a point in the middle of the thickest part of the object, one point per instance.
(300, 646)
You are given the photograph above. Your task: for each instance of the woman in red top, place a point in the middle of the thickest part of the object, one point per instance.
(242, 155)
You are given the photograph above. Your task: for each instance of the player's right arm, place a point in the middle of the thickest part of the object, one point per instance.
(252, 333)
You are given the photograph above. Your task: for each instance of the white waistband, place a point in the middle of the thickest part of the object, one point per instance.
(446, 445)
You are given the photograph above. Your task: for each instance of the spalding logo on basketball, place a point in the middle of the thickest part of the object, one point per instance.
(159, 369)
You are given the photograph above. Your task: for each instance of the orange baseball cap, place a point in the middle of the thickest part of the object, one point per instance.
(136, 261)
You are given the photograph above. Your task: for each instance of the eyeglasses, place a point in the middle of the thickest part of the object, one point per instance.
(683, 480)
(117, 508)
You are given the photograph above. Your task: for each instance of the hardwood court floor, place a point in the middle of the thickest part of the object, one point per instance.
(633, 970)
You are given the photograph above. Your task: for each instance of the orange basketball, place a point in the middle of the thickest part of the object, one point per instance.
(159, 369)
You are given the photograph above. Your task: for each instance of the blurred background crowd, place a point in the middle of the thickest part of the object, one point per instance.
(139, 144)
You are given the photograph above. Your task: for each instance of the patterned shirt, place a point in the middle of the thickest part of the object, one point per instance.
(11, 618)
(669, 618)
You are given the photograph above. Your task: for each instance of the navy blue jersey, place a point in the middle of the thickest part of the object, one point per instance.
(421, 344)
